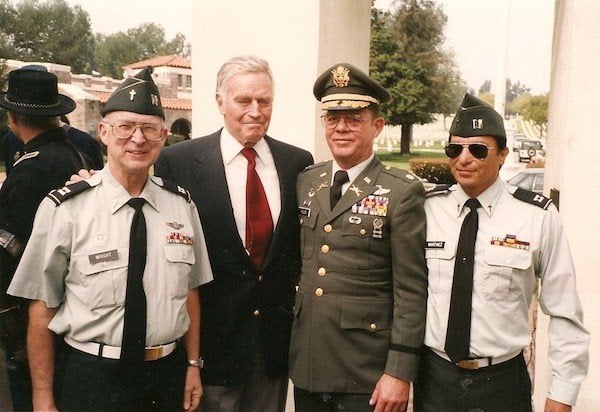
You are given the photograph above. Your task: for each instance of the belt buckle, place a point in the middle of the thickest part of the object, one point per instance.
(154, 353)
(471, 364)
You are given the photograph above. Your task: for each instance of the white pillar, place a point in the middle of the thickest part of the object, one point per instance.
(500, 83)
(299, 39)
(572, 168)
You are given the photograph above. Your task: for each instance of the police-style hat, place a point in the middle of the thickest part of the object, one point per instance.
(345, 87)
(137, 94)
(476, 118)
(33, 90)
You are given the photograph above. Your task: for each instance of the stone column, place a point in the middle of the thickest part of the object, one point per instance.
(572, 170)
(299, 39)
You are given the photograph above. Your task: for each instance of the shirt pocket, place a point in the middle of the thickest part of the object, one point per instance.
(363, 251)
(440, 267)
(368, 315)
(504, 277)
(307, 233)
(106, 281)
(180, 259)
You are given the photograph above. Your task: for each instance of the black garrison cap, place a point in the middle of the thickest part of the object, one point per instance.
(475, 117)
(137, 94)
(345, 87)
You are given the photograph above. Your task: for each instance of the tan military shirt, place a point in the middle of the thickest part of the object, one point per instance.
(77, 259)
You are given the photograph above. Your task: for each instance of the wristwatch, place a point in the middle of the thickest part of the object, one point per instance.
(198, 363)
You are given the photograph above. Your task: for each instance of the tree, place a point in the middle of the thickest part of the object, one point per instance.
(513, 91)
(114, 51)
(486, 87)
(408, 60)
(49, 31)
(536, 111)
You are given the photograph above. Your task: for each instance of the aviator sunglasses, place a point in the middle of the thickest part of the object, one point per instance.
(478, 150)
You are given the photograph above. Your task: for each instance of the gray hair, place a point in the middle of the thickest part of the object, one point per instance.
(242, 64)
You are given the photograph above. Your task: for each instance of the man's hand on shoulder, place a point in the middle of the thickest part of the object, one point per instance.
(81, 175)
(555, 406)
(390, 394)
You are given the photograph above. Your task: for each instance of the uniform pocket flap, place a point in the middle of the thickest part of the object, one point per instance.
(96, 262)
(440, 250)
(508, 257)
(179, 253)
(368, 315)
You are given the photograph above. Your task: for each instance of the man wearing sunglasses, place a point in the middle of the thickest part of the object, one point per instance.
(488, 245)
(360, 308)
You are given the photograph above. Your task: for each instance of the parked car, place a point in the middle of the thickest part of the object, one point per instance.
(530, 179)
(530, 149)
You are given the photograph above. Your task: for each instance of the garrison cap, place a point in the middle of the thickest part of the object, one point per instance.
(137, 94)
(476, 118)
(345, 87)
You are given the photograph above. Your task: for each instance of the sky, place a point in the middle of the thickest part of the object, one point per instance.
(472, 32)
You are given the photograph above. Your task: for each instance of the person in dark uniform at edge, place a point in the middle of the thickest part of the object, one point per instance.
(89, 147)
(49, 158)
(491, 247)
(360, 308)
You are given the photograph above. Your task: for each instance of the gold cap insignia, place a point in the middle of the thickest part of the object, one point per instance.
(341, 76)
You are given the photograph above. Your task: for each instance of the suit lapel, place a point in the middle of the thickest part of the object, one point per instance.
(361, 187)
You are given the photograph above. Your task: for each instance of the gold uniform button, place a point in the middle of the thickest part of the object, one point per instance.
(363, 232)
(327, 228)
(373, 326)
(256, 312)
(319, 292)
(325, 248)
(321, 271)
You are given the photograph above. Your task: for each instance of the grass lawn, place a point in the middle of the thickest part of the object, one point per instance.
(395, 159)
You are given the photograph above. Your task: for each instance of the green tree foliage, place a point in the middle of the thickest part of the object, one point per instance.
(46, 31)
(535, 110)
(513, 91)
(114, 51)
(408, 60)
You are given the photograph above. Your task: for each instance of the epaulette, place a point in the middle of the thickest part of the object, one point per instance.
(309, 167)
(400, 173)
(26, 156)
(532, 198)
(173, 188)
(438, 190)
(60, 195)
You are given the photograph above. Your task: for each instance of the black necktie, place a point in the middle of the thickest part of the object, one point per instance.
(134, 324)
(458, 334)
(335, 193)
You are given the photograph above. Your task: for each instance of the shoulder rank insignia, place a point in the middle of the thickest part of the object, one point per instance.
(60, 195)
(26, 156)
(532, 198)
(173, 188)
(438, 190)
(309, 167)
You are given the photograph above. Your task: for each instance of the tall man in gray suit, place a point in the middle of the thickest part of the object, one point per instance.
(243, 183)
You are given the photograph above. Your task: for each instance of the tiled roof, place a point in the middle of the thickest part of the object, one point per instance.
(172, 60)
(174, 104)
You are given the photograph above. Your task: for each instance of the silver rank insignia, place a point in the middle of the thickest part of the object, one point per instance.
(372, 205)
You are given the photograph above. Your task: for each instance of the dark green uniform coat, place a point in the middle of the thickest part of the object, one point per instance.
(360, 307)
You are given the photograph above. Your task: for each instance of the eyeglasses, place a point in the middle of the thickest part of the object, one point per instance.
(124, 130)
(352, 121)
(478, 150)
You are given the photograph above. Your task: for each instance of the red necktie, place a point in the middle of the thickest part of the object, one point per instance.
(259, 223)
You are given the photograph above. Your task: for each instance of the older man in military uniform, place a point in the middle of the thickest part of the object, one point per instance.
(124, 301)
(34, 106)
(488, 245)
(360, 307)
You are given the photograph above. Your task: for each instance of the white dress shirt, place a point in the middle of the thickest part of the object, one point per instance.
(235, 172)
(353, 172)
